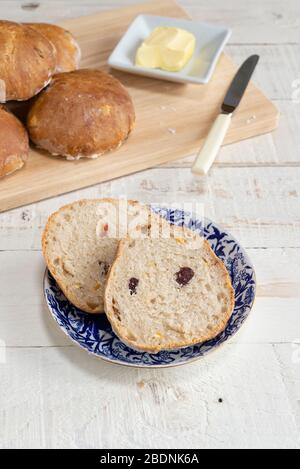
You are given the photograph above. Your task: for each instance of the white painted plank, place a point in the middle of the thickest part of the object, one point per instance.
(265, 22)
(268, 21)
(289, 361)
(61, 398)
(259, 207)
(272, 320)
(25, 320)
(278, 68)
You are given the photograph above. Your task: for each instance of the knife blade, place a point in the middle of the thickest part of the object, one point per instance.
(214, 140)
(239, 84)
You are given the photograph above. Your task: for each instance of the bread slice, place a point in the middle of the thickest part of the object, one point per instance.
(80, 243)
(167, 293)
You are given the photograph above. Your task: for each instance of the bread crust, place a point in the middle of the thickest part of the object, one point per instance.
(14, 146)
(67, 49)
(51, 266)
(173, 345)
(27, 61)
(83, 113)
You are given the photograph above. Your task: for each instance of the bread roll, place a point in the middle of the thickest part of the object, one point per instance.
(27, 61)
(14, 146)
(67, 49)
(83, 113)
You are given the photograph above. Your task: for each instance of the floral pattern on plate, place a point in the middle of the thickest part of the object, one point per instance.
(94, 333)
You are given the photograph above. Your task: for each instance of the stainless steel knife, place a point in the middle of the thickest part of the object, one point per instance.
(214, 140)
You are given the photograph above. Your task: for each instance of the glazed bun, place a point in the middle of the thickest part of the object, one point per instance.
(67, 49)
(27, 61)
(83, 113)
(14, 146)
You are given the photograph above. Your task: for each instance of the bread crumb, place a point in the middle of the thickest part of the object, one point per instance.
(91, 305)
(172, 108)
(106, 109)
(180, 240)
(159, 335)
(251, 119)
(172, 131)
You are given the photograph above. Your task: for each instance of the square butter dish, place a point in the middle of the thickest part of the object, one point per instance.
(210, 41)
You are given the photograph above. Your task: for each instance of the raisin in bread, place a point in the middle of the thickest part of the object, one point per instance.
(167, 293)
(80, 242)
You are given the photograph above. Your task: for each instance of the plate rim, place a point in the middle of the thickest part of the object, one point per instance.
(120, 363)
(169, 365)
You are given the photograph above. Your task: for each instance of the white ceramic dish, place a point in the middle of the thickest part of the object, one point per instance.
(210, 41)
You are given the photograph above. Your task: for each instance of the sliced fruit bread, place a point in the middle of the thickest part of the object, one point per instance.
(80, 242)
(167, 293)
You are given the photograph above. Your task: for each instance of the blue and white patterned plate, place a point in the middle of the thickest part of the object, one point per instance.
(94, 333)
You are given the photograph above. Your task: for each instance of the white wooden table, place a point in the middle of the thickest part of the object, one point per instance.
(53, 395)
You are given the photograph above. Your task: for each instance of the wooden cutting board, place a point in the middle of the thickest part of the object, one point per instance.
(172, 119)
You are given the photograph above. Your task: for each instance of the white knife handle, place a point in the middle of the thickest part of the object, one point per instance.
(214, 140)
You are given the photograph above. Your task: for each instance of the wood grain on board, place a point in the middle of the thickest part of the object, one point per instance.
(172, 119)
